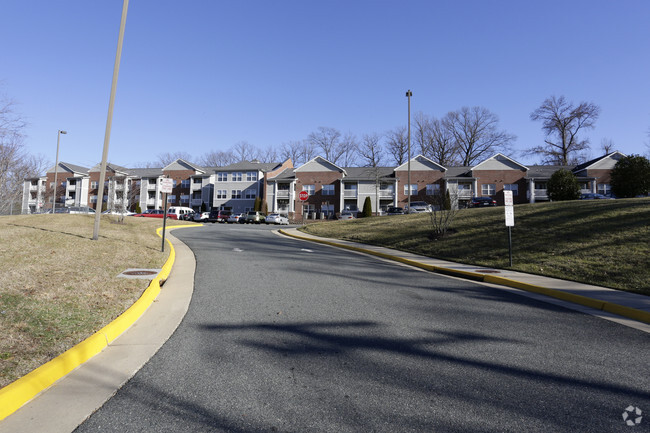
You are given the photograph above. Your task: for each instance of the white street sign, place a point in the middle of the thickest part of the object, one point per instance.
(166, 185)
(507, 198)
(510, 216)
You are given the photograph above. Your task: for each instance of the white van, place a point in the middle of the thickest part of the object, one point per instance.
(175, 212)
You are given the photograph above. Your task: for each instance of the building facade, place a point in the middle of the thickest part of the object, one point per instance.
(330, 189)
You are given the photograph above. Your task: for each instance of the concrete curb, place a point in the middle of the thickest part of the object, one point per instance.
(609, 307)
(24, 389)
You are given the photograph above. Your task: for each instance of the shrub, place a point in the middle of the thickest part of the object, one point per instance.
(367, 208)
(258, 204)
(630, 176)
(563, 185)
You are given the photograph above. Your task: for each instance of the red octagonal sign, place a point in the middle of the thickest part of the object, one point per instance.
(303, 195)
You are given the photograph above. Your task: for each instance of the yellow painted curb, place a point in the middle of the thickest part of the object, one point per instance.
(620, 310)
(22, 390)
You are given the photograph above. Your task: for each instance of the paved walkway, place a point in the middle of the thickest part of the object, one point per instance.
(624, 307)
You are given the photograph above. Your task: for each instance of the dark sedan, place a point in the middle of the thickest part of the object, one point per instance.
(482, 201)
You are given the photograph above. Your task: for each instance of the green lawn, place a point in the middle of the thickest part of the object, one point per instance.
(601, 242)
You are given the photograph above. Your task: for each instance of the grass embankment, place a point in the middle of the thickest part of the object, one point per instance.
(58, 286)
(600, 242)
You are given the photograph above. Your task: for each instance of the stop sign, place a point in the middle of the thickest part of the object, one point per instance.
(303, 195)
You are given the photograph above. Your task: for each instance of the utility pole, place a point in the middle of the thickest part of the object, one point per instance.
(408, 95)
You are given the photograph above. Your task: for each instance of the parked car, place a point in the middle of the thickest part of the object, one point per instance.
(218, 216)
(482, 201)
(81, 210)
(418, 207)
(201, 217)
(178, 212)
(60, 210)
(118, 212)
(594, 196)
(347, 215)
(152, 213)
(254, 217)
(276, 218)
(394, 211)
(236, 218)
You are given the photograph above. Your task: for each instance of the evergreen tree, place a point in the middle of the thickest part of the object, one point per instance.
(563, 185)
(367, 208)
(631, 176)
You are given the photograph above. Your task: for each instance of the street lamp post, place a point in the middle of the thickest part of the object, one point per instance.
(56, 168)
(408, 95)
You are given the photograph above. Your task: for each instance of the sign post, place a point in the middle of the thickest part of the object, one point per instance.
(166, 186)
(510, 219)
(303, 196)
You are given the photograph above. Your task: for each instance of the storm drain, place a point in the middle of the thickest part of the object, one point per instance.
(145, 274)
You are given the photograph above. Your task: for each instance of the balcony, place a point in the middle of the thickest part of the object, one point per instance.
(386, 193)
(282, 193)
(151, 201)
(119, 187)
(350, 193)
(151, 186)
(197, 187)
(196, 202)
(541, 194)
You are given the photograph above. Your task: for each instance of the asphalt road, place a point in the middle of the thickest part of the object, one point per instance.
(288, 336)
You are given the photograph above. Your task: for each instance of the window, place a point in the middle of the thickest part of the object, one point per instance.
(309, 188)
(137, 183)
(199, 180)
(171, 198)
(512, 187)
(93, 199)
(236, 193)
(222, 194)
(222, 177)
(93, 184)
(328, 189)
(414, 189)
(250, 193)
(251, 176)
(604, 189)
(173, 183)
(488, 189)
(540, 185)
(185, 198)
(237, 176)
(433, 189)
(185, 184)
(151, 181)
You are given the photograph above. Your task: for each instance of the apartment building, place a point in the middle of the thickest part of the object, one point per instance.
(330, 188)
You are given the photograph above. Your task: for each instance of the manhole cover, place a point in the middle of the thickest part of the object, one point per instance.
(487, 271)
(139, 273)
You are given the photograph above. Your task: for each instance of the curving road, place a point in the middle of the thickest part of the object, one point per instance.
(288, 336)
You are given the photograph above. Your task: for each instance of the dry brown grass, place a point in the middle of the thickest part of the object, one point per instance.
(58, 286)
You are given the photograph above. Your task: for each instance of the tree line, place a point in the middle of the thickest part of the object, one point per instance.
(460, 138)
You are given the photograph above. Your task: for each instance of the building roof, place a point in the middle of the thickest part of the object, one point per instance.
(248, 166)
(369, 173)
(586, 165)
(544, 171)
(70, 167)
(286, 174)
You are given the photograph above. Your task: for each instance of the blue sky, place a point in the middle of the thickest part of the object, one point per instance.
(202, 75)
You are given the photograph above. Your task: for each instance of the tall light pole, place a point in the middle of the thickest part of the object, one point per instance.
(408, 95)
(56, 168)
(109, 121)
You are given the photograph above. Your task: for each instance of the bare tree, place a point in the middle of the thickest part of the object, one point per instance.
(370, 150)
(397, 144)
(15, 163)
(607, 145)
(269, 155)
(476, 134)
(167, 158)
(328, 141)
(218, 158)
(349, 148)
(561, 122)
(244, 151)
(444, 149)
(292, 150)
(421, 133)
